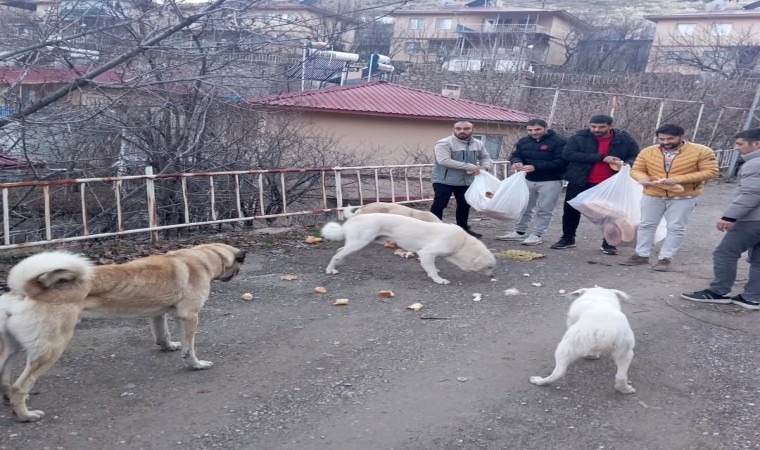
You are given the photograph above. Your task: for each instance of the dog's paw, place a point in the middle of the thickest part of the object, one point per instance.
(331, 271)
(441, 280)
(170, 346)
(625, 389)
(537, 380)
(30, 416)
(201, 365)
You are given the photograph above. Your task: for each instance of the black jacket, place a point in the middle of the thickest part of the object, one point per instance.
(545, 155)
(582, 151)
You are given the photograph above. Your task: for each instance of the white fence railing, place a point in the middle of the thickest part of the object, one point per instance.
(46, 212)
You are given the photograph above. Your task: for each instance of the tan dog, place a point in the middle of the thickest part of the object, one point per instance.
(51, 290)
(428, 239)
(390, 208)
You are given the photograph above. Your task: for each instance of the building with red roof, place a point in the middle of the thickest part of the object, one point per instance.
(391, 123)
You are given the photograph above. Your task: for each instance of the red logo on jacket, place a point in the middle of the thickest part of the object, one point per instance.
(544, 147)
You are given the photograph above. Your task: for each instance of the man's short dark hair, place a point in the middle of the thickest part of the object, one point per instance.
(671, 129)
(751, 135)
(601, 118)
(540, 122)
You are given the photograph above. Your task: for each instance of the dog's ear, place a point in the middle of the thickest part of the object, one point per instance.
(576, 294)
(622, 296)
(57, 278)
(240, 256)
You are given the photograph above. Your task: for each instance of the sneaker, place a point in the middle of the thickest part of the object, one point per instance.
(473, 234)
(744, 303)
(635, 260)
(533, 239)
(706, 296)
(663, 265)
(608, 249)
(564, 243)
(513, 236)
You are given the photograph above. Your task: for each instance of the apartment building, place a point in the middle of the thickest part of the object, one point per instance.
(721, 41)
(467, 38)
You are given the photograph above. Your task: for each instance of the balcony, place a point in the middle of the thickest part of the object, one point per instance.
(501, 28)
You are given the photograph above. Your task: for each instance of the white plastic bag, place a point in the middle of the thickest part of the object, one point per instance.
(504, 200)
(615, 206)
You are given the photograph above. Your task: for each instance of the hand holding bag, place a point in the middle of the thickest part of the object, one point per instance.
(504, 200)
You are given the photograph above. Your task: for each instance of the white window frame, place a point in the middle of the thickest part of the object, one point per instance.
(721, 28)
(449, 22)
(417, 23)
(412, 47)
(686, 29)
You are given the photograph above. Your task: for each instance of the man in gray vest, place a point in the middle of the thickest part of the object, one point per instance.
(457, 159)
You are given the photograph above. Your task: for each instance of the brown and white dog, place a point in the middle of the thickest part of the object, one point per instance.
(50, 291)
(390, 208)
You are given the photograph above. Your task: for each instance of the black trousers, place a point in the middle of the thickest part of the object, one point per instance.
(571, 217)
(441, 201)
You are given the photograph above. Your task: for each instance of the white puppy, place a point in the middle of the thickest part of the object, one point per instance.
(595, 326)
(428, 239)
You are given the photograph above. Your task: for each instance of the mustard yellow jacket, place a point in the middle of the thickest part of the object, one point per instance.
(692, 167)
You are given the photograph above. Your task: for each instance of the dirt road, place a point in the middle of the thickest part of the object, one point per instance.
(294, 372)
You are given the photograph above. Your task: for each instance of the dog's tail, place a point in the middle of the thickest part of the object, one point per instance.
(332, 231)
(351, 211)
(45, 275)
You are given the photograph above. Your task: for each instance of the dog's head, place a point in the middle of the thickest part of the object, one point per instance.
(474, 257)
(612, 295)
(231, 260)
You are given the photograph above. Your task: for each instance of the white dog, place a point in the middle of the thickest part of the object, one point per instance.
(428, 239)
(595, 326)
(390, 208)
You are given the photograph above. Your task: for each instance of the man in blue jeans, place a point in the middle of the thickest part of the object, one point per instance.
(457, 159)
(741, 222)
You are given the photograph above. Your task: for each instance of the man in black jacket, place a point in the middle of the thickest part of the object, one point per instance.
(590, 153)
(540, 155)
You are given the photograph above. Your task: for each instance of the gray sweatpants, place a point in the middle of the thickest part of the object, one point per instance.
(543, 199)
(742, 237)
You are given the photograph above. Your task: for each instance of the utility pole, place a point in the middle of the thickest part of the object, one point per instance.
(752, 109)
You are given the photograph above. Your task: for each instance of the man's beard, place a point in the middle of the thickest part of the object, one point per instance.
(463, 136)
(670, 145)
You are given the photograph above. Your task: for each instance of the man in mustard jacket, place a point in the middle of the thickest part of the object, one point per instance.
(673, 174)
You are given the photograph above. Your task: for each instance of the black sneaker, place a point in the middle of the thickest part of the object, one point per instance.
(473, 234)
(564, 243)
(706, 296)
(608, 249)
(744, 303)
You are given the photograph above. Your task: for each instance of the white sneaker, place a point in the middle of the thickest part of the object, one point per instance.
(532, 240)
(513, 236)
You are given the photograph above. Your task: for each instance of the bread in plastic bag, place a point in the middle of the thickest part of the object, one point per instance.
(500, 199)
(615, 206)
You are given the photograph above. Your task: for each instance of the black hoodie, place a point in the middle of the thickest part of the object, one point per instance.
(582, 151)
(545, 154)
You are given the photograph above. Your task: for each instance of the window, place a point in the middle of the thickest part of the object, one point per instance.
(412, 46)
(601, 49)
(678, 57)
(492, 143)
(720, 29)
(715, 58)
(685, 29)
(416, 24)
(444, 24)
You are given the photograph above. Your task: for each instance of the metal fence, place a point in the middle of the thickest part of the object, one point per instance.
(46, 212)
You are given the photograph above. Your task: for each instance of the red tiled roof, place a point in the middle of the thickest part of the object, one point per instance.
(46, 75)
(381, 98)
(10, 162)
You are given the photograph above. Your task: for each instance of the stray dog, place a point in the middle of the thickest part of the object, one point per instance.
(595, 326)
(429, 240)
(51, 290)
(391, 208)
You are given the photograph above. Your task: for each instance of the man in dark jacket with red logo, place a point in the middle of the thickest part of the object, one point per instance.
(590, 153)
(540, 155)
